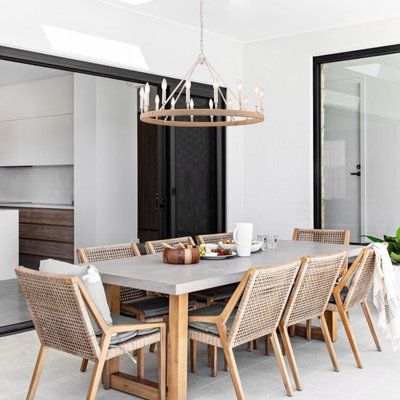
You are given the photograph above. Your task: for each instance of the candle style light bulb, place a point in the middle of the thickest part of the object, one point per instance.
(257, 99)
(240, 87)
(188, 84)
(157, 101)
(191, 103)
(164, 91)
(146, 97)
(262, 100)
(173, 101)
(216, 87)
(141, 93)
(211, 104)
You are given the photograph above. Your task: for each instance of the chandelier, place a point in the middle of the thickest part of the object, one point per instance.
(235, 108)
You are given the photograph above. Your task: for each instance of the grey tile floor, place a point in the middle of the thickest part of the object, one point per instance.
(378, 380)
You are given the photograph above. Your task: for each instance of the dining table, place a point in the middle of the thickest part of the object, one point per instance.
(149, 273)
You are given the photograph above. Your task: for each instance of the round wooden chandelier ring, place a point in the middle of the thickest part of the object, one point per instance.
(158, 117)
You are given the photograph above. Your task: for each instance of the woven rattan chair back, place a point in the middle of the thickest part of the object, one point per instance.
(313, 288)
(262, 303)
(213, 238)
(361, 280)
(59, 313)
(322, 235)
(113, 252)
(156, 246)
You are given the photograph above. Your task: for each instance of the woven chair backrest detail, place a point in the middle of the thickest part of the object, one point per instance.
(213, 238)
(113, 252)
(262, 303)
(59, 313)
(322, 235)
(313, 288)
(361, 281)
(156, 246)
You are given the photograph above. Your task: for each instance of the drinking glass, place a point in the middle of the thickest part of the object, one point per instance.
(264, 239)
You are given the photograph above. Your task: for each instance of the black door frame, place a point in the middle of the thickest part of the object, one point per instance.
(106, 71)
(317, 65)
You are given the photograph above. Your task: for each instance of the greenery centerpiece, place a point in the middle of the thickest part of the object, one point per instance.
(393, 245)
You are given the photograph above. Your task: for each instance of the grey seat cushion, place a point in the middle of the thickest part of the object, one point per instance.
(218, 293)
(213, 310)
(343, 294)
(151, 306)
(124, 336)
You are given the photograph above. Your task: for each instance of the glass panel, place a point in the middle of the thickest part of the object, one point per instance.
(360, 128)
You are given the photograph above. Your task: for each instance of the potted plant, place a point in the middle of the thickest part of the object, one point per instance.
(393, 245)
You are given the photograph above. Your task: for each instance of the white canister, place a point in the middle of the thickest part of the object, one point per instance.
(243, 236)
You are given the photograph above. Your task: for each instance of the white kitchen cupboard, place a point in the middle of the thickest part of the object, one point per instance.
(36, 122)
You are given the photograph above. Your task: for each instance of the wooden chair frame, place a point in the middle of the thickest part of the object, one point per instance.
(107, 332)
(344, 233)
(352, 274)
(228, 345)
(284, 324)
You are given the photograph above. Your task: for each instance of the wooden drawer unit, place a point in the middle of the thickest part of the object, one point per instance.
(45, 233)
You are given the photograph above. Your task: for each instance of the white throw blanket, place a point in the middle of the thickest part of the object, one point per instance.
(386, 295)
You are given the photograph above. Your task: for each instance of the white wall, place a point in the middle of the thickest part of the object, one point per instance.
(105, 161)
(168, 49)
(278, 154)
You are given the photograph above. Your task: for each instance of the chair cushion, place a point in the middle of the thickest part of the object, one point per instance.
(343, 294)
(89, 276)
(151, 306)
(124, 336)
(218, 293)
(213, 310)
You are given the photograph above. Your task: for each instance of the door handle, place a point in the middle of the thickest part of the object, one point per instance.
(358, 173)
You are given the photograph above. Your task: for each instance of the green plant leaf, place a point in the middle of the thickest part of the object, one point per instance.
(373, 239)
(395, 257)
(389, 238)
(398, 233)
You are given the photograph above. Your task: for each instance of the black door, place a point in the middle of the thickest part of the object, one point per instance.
(197, 198)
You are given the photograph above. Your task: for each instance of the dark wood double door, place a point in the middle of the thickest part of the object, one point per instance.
(181, 179)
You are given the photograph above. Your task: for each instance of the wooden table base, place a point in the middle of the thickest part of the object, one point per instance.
(316, 332)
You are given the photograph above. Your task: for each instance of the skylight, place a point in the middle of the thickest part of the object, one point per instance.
(73, 43)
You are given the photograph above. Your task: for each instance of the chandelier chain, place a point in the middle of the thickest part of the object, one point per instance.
(202, 28)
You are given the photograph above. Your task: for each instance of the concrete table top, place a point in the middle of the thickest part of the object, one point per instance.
(150, 273)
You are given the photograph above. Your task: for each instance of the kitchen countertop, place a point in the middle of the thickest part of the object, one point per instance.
(38, 205)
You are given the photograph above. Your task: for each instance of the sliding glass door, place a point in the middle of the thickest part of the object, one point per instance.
(359, 146)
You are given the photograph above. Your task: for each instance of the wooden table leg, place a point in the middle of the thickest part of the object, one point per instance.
(111, 366)
(177, 347)
(332, 324)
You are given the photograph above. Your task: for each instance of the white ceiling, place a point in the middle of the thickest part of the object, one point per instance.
(250, 20)
(12, 72)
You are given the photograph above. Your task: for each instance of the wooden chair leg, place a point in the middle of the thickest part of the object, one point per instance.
(95, 380)
(281, 363)
(308, 329)
(292, 330)
(232, 367)
(153, 347)
(290, 355)
(225, 364)
(36, 373)
(214, 361)
(193, 356)
(140, 363)
(349, 333)
(267, 345)
(209, 353)
(162, 365)
(371, 325)
(255, 344)
(84, 364)
(250, 346)
(328, 342)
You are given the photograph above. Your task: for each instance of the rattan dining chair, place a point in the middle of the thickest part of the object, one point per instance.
(261, 296)
(156, 246)
(309, 299)
(213, 237)
(353, 289)
(333, 236)
(59, 308)
(133, 301)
